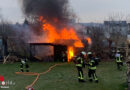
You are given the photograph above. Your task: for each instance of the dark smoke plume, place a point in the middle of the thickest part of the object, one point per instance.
(49, 9)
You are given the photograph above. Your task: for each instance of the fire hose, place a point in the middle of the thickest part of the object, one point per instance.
(37, 74)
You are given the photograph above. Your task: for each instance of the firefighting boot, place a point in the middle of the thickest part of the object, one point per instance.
(27, 70)
(27, 67)
(21, 67)
(81, 80)
(21, 70)
(96, 81)
(90, 80)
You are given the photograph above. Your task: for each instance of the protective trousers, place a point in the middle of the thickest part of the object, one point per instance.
(119, 64)
(22, 66)
(80, 73)
(92, 75)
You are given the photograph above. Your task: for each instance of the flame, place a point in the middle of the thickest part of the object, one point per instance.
(70, 53)
(89, 40)
(64, 33)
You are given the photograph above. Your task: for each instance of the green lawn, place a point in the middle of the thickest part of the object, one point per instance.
(65, 77)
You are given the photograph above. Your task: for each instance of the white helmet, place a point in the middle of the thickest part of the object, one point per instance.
(83, 52)
(89, 52)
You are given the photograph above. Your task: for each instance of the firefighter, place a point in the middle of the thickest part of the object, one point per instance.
(24, 64)
(92, 68)
(80, 65)
(119, 58)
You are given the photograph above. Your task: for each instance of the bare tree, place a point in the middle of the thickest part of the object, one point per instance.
(97, 36)
(116, 28)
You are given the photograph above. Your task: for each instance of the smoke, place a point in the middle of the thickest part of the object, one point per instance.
(51, 10)
(23, 36)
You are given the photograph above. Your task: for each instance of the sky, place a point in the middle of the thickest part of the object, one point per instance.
(86, 10)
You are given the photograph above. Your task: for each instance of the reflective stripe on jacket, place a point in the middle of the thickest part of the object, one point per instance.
(92, 65)
(118, 59)
(79, 61)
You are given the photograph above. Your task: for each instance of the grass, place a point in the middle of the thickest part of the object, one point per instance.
(65, 77)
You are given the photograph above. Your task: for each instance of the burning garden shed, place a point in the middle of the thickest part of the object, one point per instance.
(51, 51)
(50, 30)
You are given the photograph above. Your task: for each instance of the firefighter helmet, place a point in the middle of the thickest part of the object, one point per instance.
(89, 53)
(83, 52)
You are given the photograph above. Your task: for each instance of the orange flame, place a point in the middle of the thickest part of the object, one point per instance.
(89, 40)
(70, 53)
(64, 33)
(53, 33)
